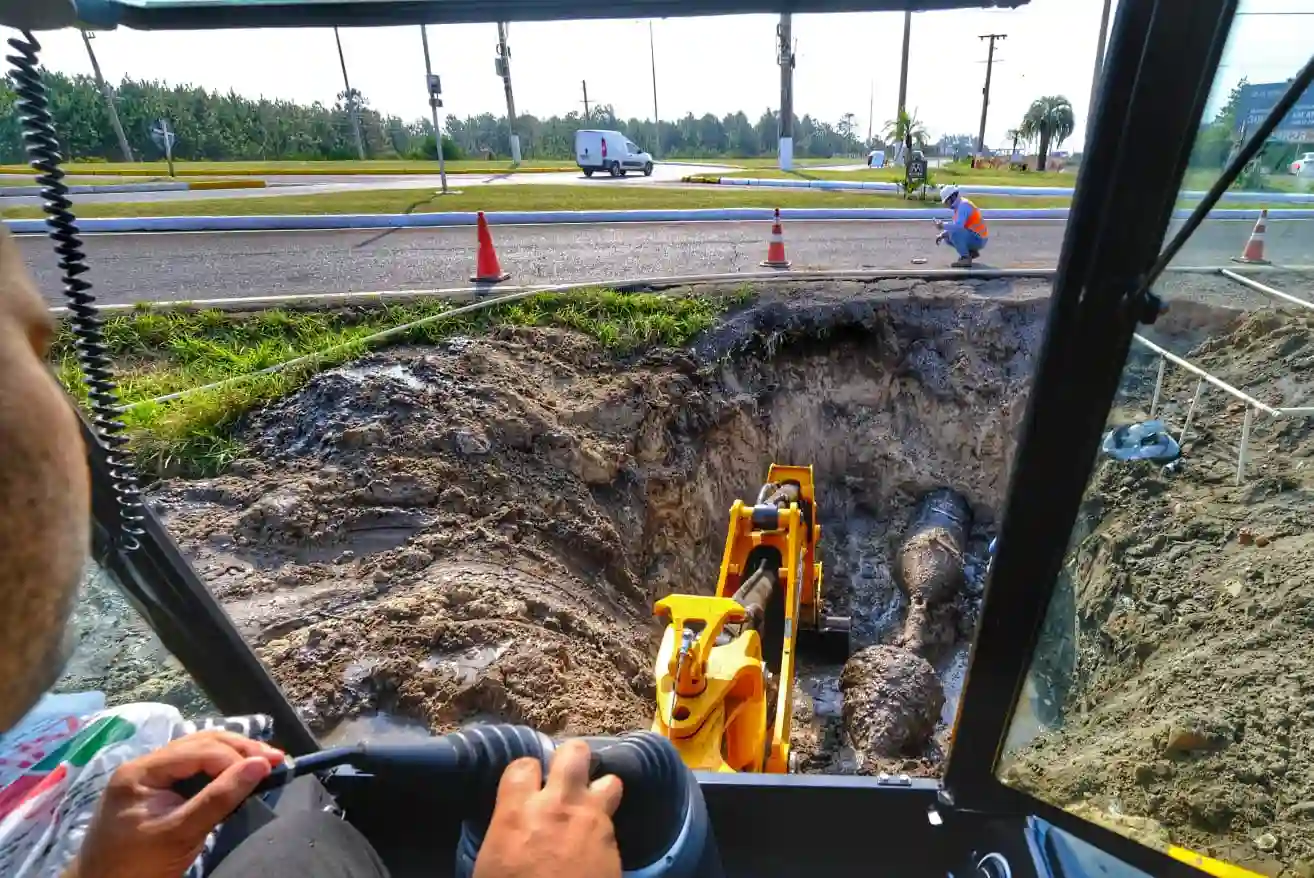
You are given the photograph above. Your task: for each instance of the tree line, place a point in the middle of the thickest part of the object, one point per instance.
(213, 126)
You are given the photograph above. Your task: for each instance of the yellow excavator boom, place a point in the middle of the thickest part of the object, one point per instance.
(720, 654)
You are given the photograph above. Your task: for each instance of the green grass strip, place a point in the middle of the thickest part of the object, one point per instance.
(161, 353)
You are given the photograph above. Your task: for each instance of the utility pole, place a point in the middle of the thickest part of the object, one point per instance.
(656, 120)
(109, 101)
(587, 116)
(504, 70)
(1099, 63)
(985, 92)
(351, 99)
(785, 58)
(903, 68)
(435, 90)
(871, 109)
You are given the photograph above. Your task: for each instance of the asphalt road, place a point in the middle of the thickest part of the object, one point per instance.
(292, 184)
(161, 267)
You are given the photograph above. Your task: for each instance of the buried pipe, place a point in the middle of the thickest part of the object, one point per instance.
(892, 695)
(929, 569)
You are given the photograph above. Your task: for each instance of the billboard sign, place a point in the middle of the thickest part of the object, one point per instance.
(1256, 100)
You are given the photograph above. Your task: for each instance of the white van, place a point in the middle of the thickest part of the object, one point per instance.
(609, 151)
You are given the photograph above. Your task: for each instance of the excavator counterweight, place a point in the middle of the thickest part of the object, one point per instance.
(725, 669)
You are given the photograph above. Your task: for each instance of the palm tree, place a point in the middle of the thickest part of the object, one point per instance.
(1051, 121)
(1014, 135)
(904, 127)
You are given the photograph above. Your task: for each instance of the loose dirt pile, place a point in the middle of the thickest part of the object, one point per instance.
(478, 529)
(1176, 675)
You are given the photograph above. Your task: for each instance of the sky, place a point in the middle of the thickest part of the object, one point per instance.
(846, 63)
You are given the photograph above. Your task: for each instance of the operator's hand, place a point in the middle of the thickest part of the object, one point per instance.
(142, 829)
(941, 237)
(561, 830)
(939, 223)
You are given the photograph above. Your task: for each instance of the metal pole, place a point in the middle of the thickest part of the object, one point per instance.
(1265, 288)
(1245, 444)
(587, 115)
(1099, 62)
(903, 68)
(351, 98)
(785, 57)
(504, 52)
(1190, 412)
(985, 92)
(109, 101)
(1158, 387)
(871, 110)
(656, 120)
(433, 106)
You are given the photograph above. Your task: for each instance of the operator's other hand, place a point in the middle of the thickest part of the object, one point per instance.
(559, 830)
(143, 829)
(941, 237)
(939, 223)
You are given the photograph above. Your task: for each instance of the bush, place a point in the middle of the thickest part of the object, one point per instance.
(425, 152)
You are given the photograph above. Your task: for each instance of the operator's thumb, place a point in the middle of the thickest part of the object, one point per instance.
(221, 797)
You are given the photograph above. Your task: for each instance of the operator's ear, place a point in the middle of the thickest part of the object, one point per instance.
(21, 307)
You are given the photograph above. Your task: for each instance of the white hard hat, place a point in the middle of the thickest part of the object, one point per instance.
(947, 192)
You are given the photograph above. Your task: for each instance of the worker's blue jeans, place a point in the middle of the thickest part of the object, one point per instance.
(965, 240)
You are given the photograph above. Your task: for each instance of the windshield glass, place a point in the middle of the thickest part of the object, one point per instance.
(1168, 696)
(427, 504)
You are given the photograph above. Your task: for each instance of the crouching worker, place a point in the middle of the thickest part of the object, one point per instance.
(966, 232)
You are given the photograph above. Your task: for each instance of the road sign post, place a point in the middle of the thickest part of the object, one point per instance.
(914, 173)
(164, 137)
(434, 85)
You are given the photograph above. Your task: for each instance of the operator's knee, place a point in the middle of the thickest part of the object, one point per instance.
(304, 844)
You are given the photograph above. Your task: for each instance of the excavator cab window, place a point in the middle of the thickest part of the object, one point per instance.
(1134, 702)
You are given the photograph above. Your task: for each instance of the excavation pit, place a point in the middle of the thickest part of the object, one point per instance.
(479, 528)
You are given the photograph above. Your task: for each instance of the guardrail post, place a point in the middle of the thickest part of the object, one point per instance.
(1245, 443)
(1190, 412)
(1158, 388)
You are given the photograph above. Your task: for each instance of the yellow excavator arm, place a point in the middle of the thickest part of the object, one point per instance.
(720, 655)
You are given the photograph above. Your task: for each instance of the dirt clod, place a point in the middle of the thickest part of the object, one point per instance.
(892, 701)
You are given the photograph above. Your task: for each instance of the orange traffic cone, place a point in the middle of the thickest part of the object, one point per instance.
(487, 269)
(1254, 252)
(776, 249)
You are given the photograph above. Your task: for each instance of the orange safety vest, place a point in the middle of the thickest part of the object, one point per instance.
(974, 222)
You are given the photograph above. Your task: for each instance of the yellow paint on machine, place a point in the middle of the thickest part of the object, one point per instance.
(1217, 868)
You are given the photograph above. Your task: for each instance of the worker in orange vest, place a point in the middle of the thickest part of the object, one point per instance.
(966, 232)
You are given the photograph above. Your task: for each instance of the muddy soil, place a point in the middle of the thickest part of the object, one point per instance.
(1173, 697)
(477, 530)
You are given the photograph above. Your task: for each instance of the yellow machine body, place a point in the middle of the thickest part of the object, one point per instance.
(718, 652)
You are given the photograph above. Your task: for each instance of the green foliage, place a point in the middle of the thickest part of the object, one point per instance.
(228, 127)
(1050, 120)
(161, 353)
(209, 125)
(902, 127)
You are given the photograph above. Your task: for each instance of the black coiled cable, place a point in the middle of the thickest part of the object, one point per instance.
(86, 324)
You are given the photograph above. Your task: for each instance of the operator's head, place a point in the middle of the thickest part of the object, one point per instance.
(44, 497)
(949, 195)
